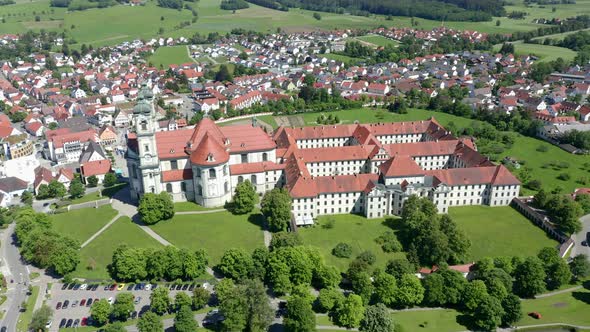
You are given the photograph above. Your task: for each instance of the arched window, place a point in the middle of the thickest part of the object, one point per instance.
(199, 190)
(169, 187)
(253, 179)
(264, 156)
(183, 186)
(240, 179)
(226, 187)
(212, 174)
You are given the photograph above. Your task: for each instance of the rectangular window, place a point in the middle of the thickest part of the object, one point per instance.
(173, 164)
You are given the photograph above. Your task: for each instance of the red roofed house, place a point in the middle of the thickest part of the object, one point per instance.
(98, 168)
(370, 169)
(66, 146)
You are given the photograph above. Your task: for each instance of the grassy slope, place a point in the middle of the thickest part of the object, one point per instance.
(214, 232)
(357, 231)
(544, 52)
(377, 40)
(81, 224)
(165, 56)
(499, 231)
(100, 250)
(571, 307)
(524, 148)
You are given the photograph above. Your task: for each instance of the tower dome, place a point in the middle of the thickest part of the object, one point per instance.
(142, 107)
(209, 153)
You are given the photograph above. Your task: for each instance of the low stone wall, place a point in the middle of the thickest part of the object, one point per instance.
(522, 205)
(94, 204)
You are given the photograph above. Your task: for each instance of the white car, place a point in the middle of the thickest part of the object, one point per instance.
(110, 300)
(48, 325)
(83, 286)
(148, 287)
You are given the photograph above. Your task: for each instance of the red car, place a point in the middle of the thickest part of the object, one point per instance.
(58, 306)
(113, 287)
(84, 321)
(82, 302)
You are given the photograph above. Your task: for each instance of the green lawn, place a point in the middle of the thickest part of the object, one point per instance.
(377, 40)
(190, 206)
(544, 52)
(99, 252)
(93, 196)
(433, 320)
(81, 224)
(25, 317)
(170, 55)
(571, 307)
(357, 231)
(499, 231)
(214, 232)
(344, 58)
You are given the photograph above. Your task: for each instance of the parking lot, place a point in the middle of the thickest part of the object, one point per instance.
(77, 311)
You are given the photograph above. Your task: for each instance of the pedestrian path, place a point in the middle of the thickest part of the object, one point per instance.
(95, 235)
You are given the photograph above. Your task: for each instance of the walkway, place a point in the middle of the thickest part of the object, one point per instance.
(558, 292)
(101, 230)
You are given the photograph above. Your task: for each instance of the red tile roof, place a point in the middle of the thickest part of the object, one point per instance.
(97, 167)
(496, 175)
(209, 152)
(259, 167)
(311, 187)
(177, 175)
(401, 166)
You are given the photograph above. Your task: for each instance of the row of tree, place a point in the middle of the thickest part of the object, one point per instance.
(275, 205)
(169, 263)
(563, 210)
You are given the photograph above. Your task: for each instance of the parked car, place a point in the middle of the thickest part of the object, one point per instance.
(185, 287)
(110, 300)
(48, 325)
(64, 286)
(62, 323)
(120, 287)
(71, 286)
(66, 304)
(148, 287)
(133, 315)
(113, 287)
(84, 321)
(76, 322)
(172, 286)
(137, 300)
(83, 286)
(82, 302)
(95, 287)
(130, 287)
(191, 287)
(178, 287)
(58, 306)
(70, 322)
(107, 287)
(75, 304)
(76, 287)
(154, 286)
(89, 302)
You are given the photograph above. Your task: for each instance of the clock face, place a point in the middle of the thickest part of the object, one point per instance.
(148, 157)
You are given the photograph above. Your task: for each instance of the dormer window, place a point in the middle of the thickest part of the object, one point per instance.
(210, 158)
(227, 142)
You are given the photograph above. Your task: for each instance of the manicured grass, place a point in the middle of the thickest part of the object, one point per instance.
(544, 52)
(572, 307)
(432, 320)
(344, 58)
(99, 252)
(81, 224)
(190, 206)
(94, 196)
(499, 231)
(170, 55)
(357, 231)
(25, 317)
(214, 232)
(378, 40)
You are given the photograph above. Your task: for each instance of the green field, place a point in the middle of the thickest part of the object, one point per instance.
(378, 40)
(170, 55)
(214, 232)
(81, 224)
(499, 231)
(99, 252)
(190, 206)
(544, 52)
(343, 58)
(357, 231)
(571, 307)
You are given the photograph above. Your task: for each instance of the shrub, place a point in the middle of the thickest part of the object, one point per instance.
(389, 242)
(542, 148)
(563, 176)
(329, 224)
(533, 185)
(367, 257)
(342, 250)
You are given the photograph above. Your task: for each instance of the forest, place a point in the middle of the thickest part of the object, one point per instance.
(451, 10)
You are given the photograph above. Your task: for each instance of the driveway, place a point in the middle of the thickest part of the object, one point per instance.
(580, 238)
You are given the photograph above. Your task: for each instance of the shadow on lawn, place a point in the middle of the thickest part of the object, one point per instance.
(258, 220)
(394, 223)
(467, 321)
(582, 296)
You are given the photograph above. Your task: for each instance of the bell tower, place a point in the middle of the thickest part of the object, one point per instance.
(145, 122)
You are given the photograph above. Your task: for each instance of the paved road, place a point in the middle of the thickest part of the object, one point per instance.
(581, 237)
(14, 269)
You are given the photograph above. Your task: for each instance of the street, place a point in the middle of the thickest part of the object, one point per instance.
(580, 238)
(13, 269)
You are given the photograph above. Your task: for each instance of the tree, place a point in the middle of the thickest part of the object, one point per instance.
(128, 263)
(488, 315)
(385, 288)
(155, 207)
(56, 189)
(184, 321)
(115, 327)
(580, 267)
(110, 179)
(43, 192)
(40, 318)
(100, 312)
(512, 310)
(326, 277)
(92, 181)
(558, 274)
(27, 198)
(160, 300)
(245, 198)
(76, 189)
(317, 16)
(245, 306)
(235, 263)
(434, 290)
(398, 267)
(276, 207)
(200, 298)
(475, 293)
(182, 299)
(300, 317)
(285, 239)
(362, 285)
(123, 306)
(223, 75)
(150, 322)
(349, 312)
(377, 319)
(529, 277)
(410, 291)
(328, 299)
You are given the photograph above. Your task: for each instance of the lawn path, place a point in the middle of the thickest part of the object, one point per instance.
(101, 230)
(558, 292)
(188, 52)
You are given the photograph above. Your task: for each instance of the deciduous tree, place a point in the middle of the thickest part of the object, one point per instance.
(488, 314)
(76, 189)
(580, 267)
(529, 277)
(300, 317)
(377, 319)
(512, 310)
(100, 312)
(160, 300)
(182, 299)
(40, 318)
(235, 263)
(155, 207)
(123, 306)
(350, 312)
(245, 198)
(150, 322)
(184, 321)
(276, 207)
(409, 291)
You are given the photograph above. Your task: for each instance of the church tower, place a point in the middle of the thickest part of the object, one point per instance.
(146, 163)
